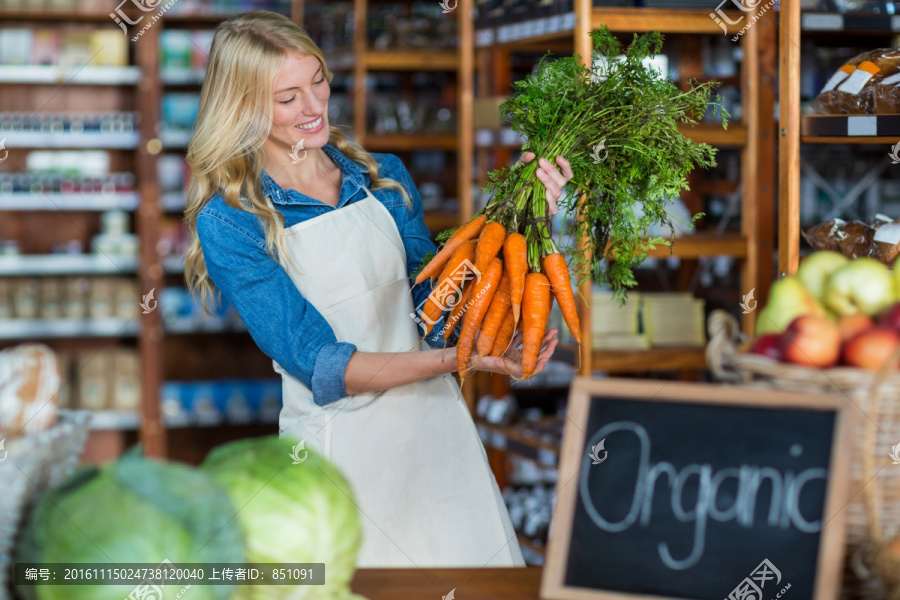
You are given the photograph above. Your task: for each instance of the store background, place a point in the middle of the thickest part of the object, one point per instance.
(94, 127)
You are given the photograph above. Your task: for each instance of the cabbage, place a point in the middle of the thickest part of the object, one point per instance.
(132, 511)
(290, 513)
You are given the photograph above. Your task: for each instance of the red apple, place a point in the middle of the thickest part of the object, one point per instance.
(768, 344)
(871, 348)
(891, 317)
(812, 341)
(851, 325)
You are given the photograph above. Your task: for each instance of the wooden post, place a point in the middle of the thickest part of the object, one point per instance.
(789, 139)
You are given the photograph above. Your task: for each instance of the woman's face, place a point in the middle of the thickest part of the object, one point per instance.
(301, 103)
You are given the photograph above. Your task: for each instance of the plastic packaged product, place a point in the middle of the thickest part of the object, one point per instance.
(869, 83)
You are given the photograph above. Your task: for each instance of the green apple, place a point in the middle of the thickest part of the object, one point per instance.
(815, 270)
(863, 286)
(788, 299)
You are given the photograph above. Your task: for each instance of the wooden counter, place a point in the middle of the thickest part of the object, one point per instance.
(470, 584)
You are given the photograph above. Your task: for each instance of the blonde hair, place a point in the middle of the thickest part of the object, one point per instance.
(226, 152)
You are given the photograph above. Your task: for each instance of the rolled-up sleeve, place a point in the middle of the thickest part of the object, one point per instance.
(284, 325)
(418, 244)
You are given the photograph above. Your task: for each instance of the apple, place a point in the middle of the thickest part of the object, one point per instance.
(812, 341)
(862, 285)
(850, 325)
(871, 348)
(891, 318)
(815, 270)
(788, 299)
(768, 344)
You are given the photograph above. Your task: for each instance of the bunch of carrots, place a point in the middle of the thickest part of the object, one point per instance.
(510, 295)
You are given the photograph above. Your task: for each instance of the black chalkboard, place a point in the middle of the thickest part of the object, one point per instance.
(698, 491)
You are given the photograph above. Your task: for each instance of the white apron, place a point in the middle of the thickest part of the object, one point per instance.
(419, 472)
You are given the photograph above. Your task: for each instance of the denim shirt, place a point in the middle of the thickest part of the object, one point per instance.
(289, 329)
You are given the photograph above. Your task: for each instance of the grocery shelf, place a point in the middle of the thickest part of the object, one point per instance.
(513, 441)
(852, 129)
(74, 202)
(849, 23)
(667, 20)
(22, 265)
(127, 420)
(53, 15)
(16, 329)
(411, 60)
(702, 245)
(655, 359)
(856, 139)
(84, 75)
(193, 20)
(416, 141)
(714, 135)
(173, 138)
(28, 139)
(536, 32)
(182, 76)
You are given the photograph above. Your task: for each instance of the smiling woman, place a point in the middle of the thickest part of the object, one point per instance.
(313, 240)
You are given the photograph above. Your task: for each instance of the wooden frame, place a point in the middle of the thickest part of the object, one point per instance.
(831, 541)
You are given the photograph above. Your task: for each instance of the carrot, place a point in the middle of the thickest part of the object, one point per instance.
(465, 233)
(456, 312)
(494, 318)
(465, 252)
(505, 335)
(431, 310)
(515, 259)
(535, 315)
(482, 294)
(489, 243)
(558, 274)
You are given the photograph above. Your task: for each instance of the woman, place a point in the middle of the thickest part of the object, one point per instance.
(313, 244)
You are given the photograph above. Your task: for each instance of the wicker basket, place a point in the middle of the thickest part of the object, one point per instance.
(874, 514)
(33, 464)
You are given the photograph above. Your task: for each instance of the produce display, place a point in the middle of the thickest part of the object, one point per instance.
(248, 502)
(866, 84)
(834, 311)
(617, 125)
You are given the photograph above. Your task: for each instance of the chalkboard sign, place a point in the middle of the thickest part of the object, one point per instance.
(699, 491)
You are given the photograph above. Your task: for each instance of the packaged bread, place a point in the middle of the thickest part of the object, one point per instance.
(886, 243)
(29, 384)
(866, 84)
(853, 239)
(825, 236)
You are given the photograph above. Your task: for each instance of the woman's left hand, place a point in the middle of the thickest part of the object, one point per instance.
(554, 178)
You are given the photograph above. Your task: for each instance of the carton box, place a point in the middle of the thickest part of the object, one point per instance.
(92, 370)
(125, 380)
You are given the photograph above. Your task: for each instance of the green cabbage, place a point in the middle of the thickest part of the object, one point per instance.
(290, 513)
(132, 511)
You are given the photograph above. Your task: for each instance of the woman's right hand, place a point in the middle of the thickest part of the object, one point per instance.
(511, 361)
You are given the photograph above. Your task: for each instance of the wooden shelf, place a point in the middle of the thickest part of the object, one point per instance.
(31, 329)
(701, 245)
(416, 141)
(855, 139)
(84, 75)
(510, 439)
(49, 15)
(68, 202)
(679, 20)
(714, 135)
(439, 220)
(30, 265)
(655, 359)
(411, 60)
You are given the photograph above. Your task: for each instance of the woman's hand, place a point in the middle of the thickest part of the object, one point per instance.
(554, 179)
(511, 362)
